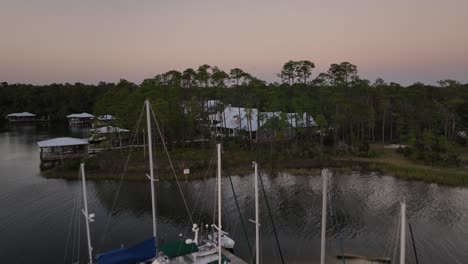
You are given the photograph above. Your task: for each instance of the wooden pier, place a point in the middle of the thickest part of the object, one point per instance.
(234, 259)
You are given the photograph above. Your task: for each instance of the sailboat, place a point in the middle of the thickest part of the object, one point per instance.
(203, 251)
(193, 251)
(351, 258)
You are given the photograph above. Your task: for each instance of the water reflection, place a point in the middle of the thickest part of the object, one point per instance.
(36, 211)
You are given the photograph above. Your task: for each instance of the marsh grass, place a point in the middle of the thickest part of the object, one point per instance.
(110, 165)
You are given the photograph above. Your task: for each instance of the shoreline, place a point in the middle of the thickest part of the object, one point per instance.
(410, 171)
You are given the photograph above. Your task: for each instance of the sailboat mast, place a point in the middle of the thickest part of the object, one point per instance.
(85, 212)
(324, 214)
(257, 220)
(150, 154)
(219, 203)
(403, 233)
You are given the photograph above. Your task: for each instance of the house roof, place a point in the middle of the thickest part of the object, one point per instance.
(105, 117)
(82, 115)
(109, 129)
(232, 118)
(233, 121)
(212, 103)
(23, 114)
(62, 141)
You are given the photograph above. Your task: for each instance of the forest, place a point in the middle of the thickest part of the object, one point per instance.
(350, 112)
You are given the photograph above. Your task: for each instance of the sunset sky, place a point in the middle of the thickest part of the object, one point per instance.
(89, 41)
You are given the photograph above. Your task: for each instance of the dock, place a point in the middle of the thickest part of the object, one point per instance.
(58, 149)
(234, 259)
(25, 117)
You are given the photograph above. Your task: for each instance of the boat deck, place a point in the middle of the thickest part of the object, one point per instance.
(234, 259)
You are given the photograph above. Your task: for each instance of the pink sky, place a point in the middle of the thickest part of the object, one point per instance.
(89, 41)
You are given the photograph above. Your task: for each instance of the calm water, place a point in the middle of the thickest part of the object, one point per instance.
(37, 220)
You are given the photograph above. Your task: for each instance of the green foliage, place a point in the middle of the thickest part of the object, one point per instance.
(432, 150)
(300, 70)
(321, 121)
(54, 100)
(347, 109)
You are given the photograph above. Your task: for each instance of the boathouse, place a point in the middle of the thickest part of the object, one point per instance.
(104, 120)
(115, 135)
(83, 119)
(105, 117)
(57, 149)
(25, 117)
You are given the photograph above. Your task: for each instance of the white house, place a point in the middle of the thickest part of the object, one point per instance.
(234, 120)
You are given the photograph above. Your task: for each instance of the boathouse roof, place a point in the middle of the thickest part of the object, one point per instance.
(105, 117)
(23, 114)
(109, 129)
(82, 115)
(62, 141)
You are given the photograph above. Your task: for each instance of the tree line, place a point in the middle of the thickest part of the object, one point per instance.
(350, 112)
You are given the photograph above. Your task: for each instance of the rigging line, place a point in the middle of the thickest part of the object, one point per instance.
(75, 227)
(211, 170)
(389, 245)
(215, 208)
(79, 229)
(206, 174)
(172, 165)
(414, 245)
(271, 218)
(240, 216)
(335, 218)
(70, 225)
(396, 240)
(205, 186)
(109, 214)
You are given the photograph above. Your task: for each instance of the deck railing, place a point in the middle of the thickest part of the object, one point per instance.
(62, 156)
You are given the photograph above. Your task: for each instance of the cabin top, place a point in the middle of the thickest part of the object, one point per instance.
(23, 114)
(82, 115)
(105, 117)
(62, 141)
(109, 129)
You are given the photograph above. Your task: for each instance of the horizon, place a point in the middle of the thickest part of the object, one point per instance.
(88, 42)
